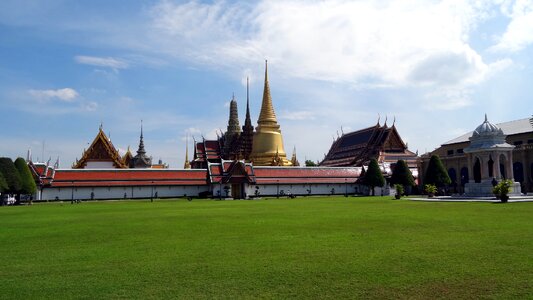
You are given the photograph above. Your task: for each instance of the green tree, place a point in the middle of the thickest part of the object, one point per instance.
(7, 168)
(402, 175)
(373, 176)
(3, 184)
(310, 163)
(436, 173)
(28, 186)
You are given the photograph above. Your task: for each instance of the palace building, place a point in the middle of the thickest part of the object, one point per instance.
(491, 151)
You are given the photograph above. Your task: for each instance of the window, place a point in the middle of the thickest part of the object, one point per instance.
(518, 143)
(450, 152)
(530, 141)
(459, 150)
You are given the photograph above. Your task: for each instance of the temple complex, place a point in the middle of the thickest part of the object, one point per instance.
(264, 147)
(382, 143)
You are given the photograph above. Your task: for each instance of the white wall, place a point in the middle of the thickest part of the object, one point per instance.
(84, 193)
(295, 189)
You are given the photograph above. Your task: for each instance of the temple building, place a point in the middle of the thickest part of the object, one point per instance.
(264, 147)
(382, 143)
(141, 160)
(491, 151)
(102, 154)
(267, 147)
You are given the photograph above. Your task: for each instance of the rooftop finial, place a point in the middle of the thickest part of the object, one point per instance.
(379, 118)
(486, 119)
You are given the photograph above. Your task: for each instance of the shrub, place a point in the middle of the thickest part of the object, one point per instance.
(502, 189)
(431, 189)
(399, 190)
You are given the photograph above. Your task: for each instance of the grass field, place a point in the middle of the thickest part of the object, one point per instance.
(331, 247)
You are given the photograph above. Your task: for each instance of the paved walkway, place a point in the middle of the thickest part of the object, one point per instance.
(528, 198)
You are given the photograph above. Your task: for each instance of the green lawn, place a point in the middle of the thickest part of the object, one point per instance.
(330, 247)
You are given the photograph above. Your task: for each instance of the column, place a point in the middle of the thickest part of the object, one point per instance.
(470, 168)
(497, 171)
(509, 170)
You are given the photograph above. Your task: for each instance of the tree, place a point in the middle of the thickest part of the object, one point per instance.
(3, 184)
(7, 168)
(310, 163)
(402, 175)
(436, 173)
(28, 186)
(373, 176)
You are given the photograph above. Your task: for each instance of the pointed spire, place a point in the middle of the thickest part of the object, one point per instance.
(379, 118)
(385, 124)
(141, 142)
(28, 157)
(486, 119)
(233, 122)
(294, 160)
(394, 121)
(187, 164)
(267, 114)
(248, 120)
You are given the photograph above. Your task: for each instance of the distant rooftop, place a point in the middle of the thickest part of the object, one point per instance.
(509, 128)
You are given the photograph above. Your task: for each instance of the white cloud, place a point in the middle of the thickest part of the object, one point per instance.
(66, 94)
(90, 106)
(108, 62)
(519, 32)
(297, 115)
(341, 41)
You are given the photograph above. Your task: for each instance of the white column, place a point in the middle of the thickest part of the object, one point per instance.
(497, 171)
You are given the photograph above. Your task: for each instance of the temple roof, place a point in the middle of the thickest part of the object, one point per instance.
(358, 147)
(128, 177)
(101, 149)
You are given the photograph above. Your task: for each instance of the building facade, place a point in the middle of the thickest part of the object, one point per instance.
(454, 156)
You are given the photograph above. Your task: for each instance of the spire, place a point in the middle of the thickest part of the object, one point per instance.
(141, 142)
(248, 120)
(379, 118)
(233, 122)
(294, 160)
(187, 164)
(267, 114)
(486, 119)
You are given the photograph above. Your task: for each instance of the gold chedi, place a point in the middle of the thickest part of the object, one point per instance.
(267, 147)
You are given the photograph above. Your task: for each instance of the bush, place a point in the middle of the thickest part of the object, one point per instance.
(431, 189)
(399, 190)
(502, 189)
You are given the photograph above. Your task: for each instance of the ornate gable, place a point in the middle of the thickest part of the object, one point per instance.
(393, 141)
(100, 150)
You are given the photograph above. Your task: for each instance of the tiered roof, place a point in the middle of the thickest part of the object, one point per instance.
(359, 147)
(128, 177)
(101, 149)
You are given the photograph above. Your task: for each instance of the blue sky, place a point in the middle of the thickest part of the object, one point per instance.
(436, 66)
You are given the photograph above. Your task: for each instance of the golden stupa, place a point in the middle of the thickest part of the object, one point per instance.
(267, 147)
